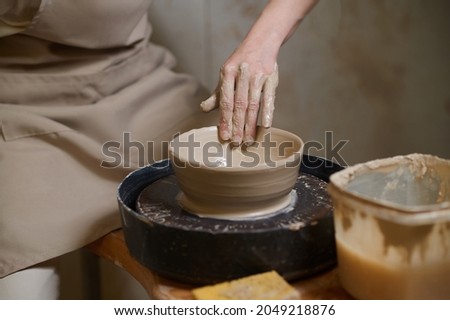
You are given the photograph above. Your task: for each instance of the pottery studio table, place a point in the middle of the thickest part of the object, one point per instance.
(112, 247)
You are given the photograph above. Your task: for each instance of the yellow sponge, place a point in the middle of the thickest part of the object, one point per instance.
(264, 286)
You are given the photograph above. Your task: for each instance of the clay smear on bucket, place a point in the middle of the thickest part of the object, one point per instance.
(412, 182)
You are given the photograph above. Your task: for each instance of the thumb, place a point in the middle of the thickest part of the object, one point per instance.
(210, 103)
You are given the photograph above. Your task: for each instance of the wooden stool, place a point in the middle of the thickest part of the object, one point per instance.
(112, 247)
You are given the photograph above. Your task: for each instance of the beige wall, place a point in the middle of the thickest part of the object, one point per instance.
(374, 72)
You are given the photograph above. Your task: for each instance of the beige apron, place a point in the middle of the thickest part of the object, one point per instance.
(75, 75)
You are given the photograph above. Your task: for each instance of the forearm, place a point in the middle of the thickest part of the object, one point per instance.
(277, 22)
(249, 77)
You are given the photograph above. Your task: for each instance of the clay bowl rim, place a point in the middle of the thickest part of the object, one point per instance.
(293, 159)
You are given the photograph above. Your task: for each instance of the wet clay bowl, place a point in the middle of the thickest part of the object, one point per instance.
(225, 182)
(392, 227)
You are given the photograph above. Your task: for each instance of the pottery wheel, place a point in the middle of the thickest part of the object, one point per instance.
(297, 241)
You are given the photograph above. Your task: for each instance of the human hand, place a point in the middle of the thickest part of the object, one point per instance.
(249, 78)
(247, 84)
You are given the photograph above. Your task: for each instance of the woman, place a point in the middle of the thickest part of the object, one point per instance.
(78, 75)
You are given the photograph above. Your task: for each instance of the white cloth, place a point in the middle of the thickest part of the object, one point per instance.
(38, 283)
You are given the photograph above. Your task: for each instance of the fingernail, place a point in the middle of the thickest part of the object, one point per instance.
(236, 142)
(248, 141)
(225, 136)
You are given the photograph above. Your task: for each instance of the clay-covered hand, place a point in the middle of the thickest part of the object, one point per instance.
(249, 78)
(246, 88)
